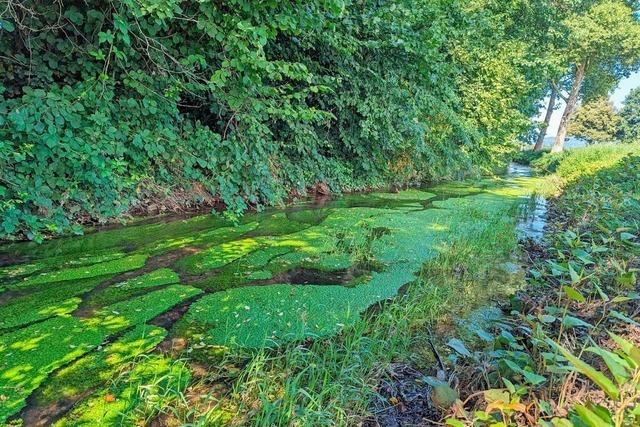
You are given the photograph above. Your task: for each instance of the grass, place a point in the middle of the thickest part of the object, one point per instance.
(567, 354)
(579, 163)
(136, 395)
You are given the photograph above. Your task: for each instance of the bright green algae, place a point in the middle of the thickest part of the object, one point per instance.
(30, 354)
(257, 316)
(361, 249)
(55, 299)
(99, 366)
(109, 267)
(159, 376)
(125, 290)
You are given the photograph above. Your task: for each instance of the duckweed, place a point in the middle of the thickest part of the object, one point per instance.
(369, 247)
(100, 365)
(53, 299)
(128, 288)
(109, 267)
(30, 354)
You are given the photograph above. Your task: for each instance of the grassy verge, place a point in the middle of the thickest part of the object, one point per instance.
(568, 351)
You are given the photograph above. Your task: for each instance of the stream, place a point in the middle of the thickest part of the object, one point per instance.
(210, 283)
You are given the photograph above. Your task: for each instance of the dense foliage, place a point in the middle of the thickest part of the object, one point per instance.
(108, 104)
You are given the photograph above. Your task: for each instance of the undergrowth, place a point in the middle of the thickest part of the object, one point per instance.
(567, 351)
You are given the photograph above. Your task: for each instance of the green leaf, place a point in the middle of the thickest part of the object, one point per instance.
(575, 277)
(533, 378)
(589, 417)
(561, 422)
(617, 366)
(602, 294)
(627, 279)
(589, 371)
(620, 316)
(627, 236)
(627, 347)
(509, 385)
(573, 294)
(6, 25)
(572, 322)
(459, 347)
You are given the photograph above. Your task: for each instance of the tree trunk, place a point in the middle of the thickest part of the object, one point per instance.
(547, 119)
(572, 101)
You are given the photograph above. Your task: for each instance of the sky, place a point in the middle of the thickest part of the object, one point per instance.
(617, 97)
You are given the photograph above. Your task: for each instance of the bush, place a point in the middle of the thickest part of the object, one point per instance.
(525, 157)
(106, 104)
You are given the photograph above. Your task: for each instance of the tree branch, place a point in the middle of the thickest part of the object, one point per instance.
(558, 91)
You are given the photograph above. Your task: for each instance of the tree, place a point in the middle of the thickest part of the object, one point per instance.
(595, 122)
(602, 40)
(547, 118)
(630, 117)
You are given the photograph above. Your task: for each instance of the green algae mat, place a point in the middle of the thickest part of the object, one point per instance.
(76, 310)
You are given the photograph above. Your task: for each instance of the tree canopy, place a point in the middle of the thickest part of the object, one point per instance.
(106, 104)
(600, 43)
(595, 121)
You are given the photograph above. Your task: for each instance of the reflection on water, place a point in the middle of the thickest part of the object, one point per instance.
(533, 216)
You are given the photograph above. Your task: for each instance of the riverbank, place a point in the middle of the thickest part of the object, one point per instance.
(565, 350)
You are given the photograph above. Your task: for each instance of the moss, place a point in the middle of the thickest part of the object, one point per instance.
(110, 267)
(148, 387)
(127, 289)
(99, 366)
(52, 299)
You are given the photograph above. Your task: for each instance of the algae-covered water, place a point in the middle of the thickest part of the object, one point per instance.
(75, 309)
